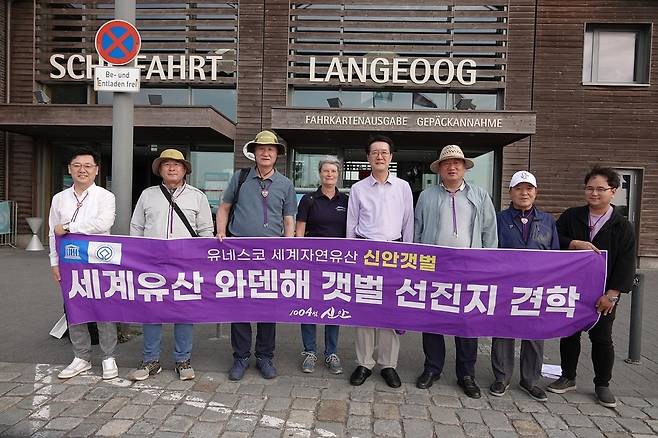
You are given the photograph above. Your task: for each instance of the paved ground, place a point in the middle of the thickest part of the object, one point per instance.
(33, 402)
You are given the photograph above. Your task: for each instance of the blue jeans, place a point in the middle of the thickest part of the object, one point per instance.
(330, 338)
(182, 336)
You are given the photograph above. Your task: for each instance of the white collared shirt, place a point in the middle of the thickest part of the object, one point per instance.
(95, 215)
(381, 211)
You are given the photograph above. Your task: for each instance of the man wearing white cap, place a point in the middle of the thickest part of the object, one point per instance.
(522, 226)
(456, 214)
(170, 210)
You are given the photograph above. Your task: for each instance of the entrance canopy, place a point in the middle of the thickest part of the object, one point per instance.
(477, 131)
(153, 124)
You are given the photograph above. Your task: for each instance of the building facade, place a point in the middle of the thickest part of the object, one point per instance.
(549, 86)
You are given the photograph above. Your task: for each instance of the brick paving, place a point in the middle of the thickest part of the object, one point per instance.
(34, 402)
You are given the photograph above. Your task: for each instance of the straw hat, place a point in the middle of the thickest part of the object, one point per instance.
(170, 154)
(452, 151)
(266, 138)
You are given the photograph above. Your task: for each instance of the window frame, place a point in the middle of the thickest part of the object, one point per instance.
(642, 58)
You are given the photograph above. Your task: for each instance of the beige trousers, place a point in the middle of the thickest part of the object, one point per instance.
(388, 347)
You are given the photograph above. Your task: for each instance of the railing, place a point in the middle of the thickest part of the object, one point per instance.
(8, 221)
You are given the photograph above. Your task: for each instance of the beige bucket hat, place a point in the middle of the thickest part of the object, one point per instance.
(449, 152)
(266, 138)
(170, 154)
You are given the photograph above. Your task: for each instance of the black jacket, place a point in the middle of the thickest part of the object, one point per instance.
(616, 236)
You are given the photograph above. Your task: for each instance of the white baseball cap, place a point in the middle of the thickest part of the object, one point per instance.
(522, 176)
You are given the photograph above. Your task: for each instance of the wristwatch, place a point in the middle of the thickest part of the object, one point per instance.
(612, 299)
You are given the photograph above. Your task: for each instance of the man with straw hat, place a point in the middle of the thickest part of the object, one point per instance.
(456, 214)
(258, 202)
(170, 210)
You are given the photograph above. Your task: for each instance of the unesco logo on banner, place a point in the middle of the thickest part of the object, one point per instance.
(104, 252)
(73, 251)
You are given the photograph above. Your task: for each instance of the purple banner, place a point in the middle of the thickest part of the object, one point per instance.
(467, 292)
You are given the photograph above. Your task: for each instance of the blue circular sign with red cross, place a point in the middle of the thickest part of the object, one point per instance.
(118, 42)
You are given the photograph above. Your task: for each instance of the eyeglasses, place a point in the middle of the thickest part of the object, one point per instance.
(598, 190)
(78, 166)
(383, 154)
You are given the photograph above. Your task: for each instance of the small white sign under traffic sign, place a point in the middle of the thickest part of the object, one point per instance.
(117, 79)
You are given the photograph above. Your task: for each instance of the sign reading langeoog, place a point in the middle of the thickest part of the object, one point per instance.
(395, 70)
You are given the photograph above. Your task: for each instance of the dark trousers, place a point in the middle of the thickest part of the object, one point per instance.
(241, 339)
(603, 352)
(466, 349)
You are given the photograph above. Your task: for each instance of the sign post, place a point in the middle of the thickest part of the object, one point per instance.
(118, 43)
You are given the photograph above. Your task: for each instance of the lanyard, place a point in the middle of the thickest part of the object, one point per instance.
(592, 226)
(78, 205)
(265, 191)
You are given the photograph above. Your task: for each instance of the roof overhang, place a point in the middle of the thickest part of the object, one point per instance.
(152, 124)
(478, 131)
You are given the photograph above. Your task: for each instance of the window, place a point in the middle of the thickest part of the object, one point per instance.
(212, 173)
(616, 54)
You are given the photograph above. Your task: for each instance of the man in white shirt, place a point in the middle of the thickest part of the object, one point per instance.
(380, 208)
(84, 208)
(155, 216)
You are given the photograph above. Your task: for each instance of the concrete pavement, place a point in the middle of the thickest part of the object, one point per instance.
(34, 402)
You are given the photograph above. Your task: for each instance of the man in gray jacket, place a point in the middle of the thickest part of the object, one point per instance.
(155, 216)
(461, 215)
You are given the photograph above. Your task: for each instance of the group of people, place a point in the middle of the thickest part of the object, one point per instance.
(261, 202)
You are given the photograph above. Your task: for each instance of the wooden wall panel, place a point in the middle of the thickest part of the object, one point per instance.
(518, 93)
(431, 29)
(579, 126)
(3, 95)
(251, 25)
(22, 156)
(204, 27)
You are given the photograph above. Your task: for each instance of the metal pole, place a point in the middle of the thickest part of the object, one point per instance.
(635, 334)
(123, 109)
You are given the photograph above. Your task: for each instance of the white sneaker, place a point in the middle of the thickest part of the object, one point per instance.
(110, 369)
(76, 367)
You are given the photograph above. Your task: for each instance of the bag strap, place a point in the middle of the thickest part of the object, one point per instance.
(243, 177)
(178, 211)
(244, 172)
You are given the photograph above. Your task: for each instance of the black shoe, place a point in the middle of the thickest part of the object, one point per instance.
(471, 389)
(498, 388)
(359, 376)
(391, 376)
(534, 391)
(427, 379)
(605, 396)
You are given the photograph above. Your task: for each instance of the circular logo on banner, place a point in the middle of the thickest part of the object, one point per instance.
(104, 253)
(118, 42)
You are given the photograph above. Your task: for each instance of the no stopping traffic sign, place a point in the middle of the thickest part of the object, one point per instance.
(118, 42)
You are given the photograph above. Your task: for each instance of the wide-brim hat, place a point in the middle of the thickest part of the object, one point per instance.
(452, 151)
(170, 154)
(267, 138)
